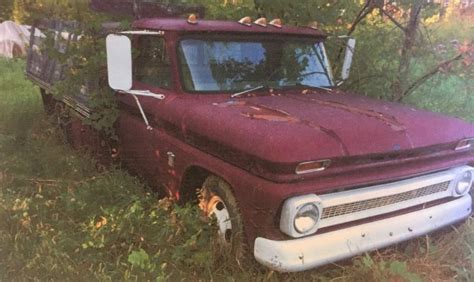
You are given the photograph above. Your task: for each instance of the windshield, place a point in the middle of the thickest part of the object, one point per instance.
(237, 65)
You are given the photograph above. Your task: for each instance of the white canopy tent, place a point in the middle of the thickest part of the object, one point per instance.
(14, 39)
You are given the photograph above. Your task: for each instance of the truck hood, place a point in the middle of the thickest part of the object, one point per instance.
(303, 125)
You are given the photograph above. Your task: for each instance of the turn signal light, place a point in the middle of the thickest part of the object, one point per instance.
(246, 21)
(312, 166)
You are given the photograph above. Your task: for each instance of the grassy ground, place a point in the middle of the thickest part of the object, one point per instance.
(62, 219)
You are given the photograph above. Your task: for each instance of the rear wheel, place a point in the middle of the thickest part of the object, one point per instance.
(57, 110)
(218, 202)
(77, 134)
(48, 102)
(62, 120)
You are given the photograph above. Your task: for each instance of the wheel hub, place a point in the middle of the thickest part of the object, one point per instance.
(218, 209)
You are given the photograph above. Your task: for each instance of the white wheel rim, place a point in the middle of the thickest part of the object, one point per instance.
(220, 211)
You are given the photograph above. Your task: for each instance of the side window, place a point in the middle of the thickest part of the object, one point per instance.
(151, 63)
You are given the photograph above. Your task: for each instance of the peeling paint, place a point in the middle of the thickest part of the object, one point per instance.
(254, 111)
(387, 119)
(275, 262)
(230, 103)
(301, 257)
(269, 115)
(259, 112)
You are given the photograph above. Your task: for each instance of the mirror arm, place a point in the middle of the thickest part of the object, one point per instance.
(145, 119)
(145, 93)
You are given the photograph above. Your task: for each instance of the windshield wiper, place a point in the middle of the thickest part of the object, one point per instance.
(264, 84)
(317, 87)
(305, 85)
(248, 91)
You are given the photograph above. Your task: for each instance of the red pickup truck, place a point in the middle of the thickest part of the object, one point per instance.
(295, 170)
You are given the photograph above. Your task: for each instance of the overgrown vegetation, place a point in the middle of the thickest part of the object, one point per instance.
(62, 219)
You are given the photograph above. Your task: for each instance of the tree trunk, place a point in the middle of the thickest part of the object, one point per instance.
(400, 83)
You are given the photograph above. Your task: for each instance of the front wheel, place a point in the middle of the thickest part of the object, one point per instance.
(218, 202)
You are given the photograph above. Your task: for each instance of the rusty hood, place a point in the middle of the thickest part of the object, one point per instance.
(295, 126)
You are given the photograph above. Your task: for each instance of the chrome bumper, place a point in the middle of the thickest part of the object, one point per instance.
(313, 251)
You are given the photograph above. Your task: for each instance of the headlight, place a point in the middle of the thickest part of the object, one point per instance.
(300, 215)
(464, 183)
(306, 218)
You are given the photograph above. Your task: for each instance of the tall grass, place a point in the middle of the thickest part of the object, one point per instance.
(61, 219)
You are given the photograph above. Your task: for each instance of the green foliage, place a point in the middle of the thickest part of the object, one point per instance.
(140, 259)
(28, 11)
(6, 8)
(227, 10)
(375, 63)
(86, 57)
(449, 91)
(88, 74)
(385, 270)
(333, 15)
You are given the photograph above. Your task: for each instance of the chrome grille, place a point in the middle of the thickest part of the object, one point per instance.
(354, 207)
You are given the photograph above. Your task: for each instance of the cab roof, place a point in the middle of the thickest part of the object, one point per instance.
(182, 25)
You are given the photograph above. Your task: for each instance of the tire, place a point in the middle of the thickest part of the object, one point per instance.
(62, 120)
(57, 112)
(217, 201)
(49, 102)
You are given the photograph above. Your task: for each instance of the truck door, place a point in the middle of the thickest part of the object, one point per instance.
(140, 147)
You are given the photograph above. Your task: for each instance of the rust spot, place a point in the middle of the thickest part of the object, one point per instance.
(260, 112)
(387, 119)
(230, 103)
(269, 114)
(254, 111)
(331, 92)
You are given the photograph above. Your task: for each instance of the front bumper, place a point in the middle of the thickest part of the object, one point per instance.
(313, 251)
